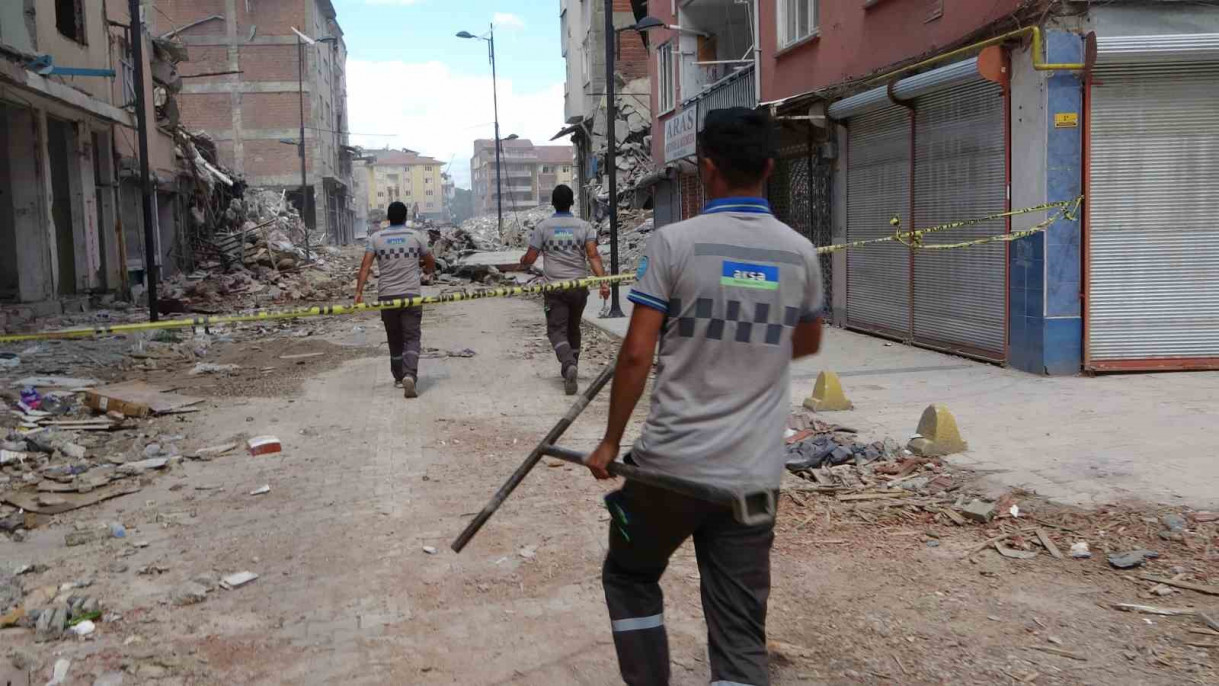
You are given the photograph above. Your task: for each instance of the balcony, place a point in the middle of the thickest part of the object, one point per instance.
(735, 90)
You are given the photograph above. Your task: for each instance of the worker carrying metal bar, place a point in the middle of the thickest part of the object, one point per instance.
(402, 255)
(568, 246)
(732, 295)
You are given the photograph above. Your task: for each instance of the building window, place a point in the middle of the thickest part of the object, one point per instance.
(70, 19)
(429, 192)
(666, 88)
(585, 64)
(427, 180)
(566, 169)
(427, 169)
(797, 21)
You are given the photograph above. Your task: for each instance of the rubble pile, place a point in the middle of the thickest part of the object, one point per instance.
(633, 136)
(635, 227)
(518, 226)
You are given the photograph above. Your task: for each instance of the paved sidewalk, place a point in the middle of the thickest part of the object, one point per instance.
(1076, 440)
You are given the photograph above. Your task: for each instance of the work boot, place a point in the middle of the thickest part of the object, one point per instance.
(397, 383)
(408, 388)
(570, 380)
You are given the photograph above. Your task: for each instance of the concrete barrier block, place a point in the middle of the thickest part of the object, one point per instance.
(828, 395)
(937, 434)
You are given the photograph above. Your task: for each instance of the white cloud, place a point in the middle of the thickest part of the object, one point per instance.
(429, 108)
(507, 20)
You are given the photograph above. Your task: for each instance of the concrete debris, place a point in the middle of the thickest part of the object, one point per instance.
(59, 673)
(237, 580)
(83, 629)
(979, 510)
(189, 593)
(1174, 522)
(261, 490)
(213, 451)
(1132, 559)
(430, 550)
(210, 368)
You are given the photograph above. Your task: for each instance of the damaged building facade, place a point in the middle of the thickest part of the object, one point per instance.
(958, 111)
(71, 229)
(244, 87)
(582, 34)
(529, 173)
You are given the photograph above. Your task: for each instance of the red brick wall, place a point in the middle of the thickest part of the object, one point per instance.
(273, 18)
(182, 12)
(269, 63)
(210, 111)
(632, 56)
(271, 158)
(206, 59)
(271, 110)
(224, 150)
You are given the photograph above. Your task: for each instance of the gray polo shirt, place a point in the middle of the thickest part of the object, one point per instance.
(563, 241)
(398, 250)
(734, 283)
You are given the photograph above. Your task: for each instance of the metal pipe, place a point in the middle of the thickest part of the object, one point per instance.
(1038, 63)
(151, 273)
(522, 471)
(611, 150)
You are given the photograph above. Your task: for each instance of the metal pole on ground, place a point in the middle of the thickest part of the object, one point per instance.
(151, 272)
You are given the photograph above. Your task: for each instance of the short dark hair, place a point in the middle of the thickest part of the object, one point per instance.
(739, 141)
(562, 197)
(396, 213)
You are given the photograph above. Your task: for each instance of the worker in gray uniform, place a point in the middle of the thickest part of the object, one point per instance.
(402, 255)
(732, 296)
(568, 246)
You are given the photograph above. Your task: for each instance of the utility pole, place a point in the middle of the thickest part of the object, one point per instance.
(499, 185)
(611, 151)
(300, 48)
(151, 273)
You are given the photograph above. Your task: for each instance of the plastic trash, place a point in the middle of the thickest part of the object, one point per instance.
(10, 360)
(359, 335)
(30, 397)
(84, 628)
(118, 530)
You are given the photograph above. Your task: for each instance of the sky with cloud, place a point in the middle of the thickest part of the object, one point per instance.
(412, 83)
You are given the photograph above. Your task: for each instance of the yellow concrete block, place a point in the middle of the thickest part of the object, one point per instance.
(827, 395)
(937, 434)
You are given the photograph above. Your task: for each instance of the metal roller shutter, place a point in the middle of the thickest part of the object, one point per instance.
(1153, 241)
(878, 187)
(960, 172)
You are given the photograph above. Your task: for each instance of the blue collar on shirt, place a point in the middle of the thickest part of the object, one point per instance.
(563, 214)
(740, 204)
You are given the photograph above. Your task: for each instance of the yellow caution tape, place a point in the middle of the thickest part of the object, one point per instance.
(909, 238)
(913, 238)
(319, 311)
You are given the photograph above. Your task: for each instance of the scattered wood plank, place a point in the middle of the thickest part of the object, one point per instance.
(1204, 632)
(72, 501)
(305, 356)
(1202, 644)
(950, 514)
(1013, 553)
(1047, 543)
(136, 399)
(1059, 651)
(1200, 588)
(985, 544)
(1209, 621)
(872, 496)
(1153, 610)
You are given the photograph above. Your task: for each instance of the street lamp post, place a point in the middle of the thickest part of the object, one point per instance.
(151, 272)
(301, 40)
(499, 187)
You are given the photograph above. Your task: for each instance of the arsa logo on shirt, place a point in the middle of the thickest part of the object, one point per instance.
(563, 233)
(747, 275)
(395, 241)
(643, 268)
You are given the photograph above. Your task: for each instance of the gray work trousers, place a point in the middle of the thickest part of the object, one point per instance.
(646, 525)
(403, 328)
(564, 312)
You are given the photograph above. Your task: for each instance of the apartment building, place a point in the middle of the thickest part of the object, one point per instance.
(529, 173)
(408, 177)
(68, 159)
(952, 110)
(243, 88)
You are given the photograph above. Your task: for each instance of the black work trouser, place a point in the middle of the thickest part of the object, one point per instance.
(646, 525)
(403, 328)
(564, 312)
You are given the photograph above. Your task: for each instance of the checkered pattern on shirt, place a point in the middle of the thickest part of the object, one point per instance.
(552, 245)
(736, 323)
(398, 253)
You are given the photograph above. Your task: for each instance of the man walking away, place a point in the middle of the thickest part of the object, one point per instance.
(399, 252)
(568, 246)
(733, 295)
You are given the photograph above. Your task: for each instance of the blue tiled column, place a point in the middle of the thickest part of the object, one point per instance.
(1045, 316)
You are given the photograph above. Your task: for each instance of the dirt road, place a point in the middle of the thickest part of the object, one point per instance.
(357, 584)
